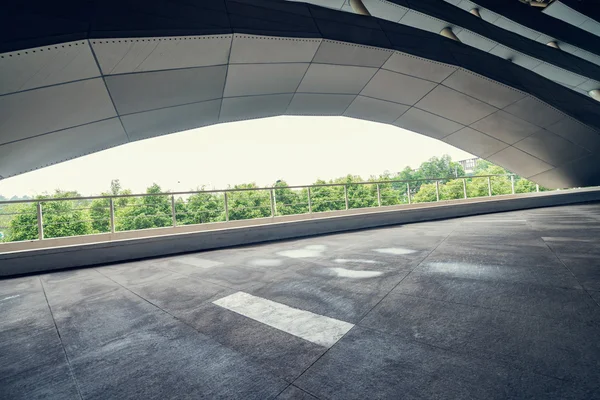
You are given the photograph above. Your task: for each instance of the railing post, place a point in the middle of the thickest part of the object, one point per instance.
(226, 207)
(378, 196)
(537, 187)
(465, 187)
(437, 190)
(112, 216)
(173, 211)
(309, 202)
(489, 186)
(512, 183)
(40, 221)
(408, 191)
(346, 195)
(272, 197)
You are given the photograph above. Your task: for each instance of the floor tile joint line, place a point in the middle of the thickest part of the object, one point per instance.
(61, 341)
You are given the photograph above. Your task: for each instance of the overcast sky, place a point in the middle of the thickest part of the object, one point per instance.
(296, 149)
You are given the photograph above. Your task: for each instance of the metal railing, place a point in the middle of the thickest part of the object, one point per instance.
(171, 210)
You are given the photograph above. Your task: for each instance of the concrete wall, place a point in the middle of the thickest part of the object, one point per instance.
(80, 255)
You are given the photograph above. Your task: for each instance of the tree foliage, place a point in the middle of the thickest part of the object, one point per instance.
(81, 217)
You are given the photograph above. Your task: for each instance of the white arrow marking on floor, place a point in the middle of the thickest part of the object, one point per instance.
(309, 326)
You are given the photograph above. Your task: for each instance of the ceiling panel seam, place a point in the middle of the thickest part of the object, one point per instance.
(173, 106)
(57, 130)
(108, 91)
(226, 73)
(303, 76)
(365, 85)
(49, 86)
(417, 102)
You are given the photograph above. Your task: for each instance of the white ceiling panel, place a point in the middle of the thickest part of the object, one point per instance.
(343, 79)
(550, 148)
(173, 119)
(428, 124)
(519, 29)
(418, 67)
(565, 13)
(319, 104)
(241, 108)
(577, 132)
(593, 58)
(248, 49)
(454, 105)
(332, 52)
(484, 89)
(118, 56)
(545, 39)
(385, 9)
(553, 178)
(375, 110)
(465, 5)
(387, 85)
(475, 142)
(588, 85)
(60, 146)
(519, 162)
(474, 40)
(152, 90)
(532, 110)
(486, 15)
(591, 26)
(252, 79)
(505, 127)
(44, 66)
(559, 75)
(426, 22)
(38, 111)
(514, 56)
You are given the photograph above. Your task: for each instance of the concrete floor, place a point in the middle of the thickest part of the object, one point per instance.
(490, 307)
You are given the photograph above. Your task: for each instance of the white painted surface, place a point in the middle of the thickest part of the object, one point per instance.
(395, 251)
(356, 260)
(565, 239)
(307, 252)
(197, 262)
(349, 273)
(315, 328)
(9, 297)
(266, 262)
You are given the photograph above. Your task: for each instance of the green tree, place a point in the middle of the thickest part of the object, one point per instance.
(248, 204)
(426, 193)
(452, 190)
(288, 201)
(60, 218)
(100, 208)
(145, 212)
(202, 208)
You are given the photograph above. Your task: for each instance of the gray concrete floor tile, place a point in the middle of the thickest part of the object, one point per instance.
(284, 355)
(293, 393)
(353, 369)
(544, 301)
(44, 383)
(561, 349)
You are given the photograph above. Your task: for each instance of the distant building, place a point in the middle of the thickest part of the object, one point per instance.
(469, 164)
